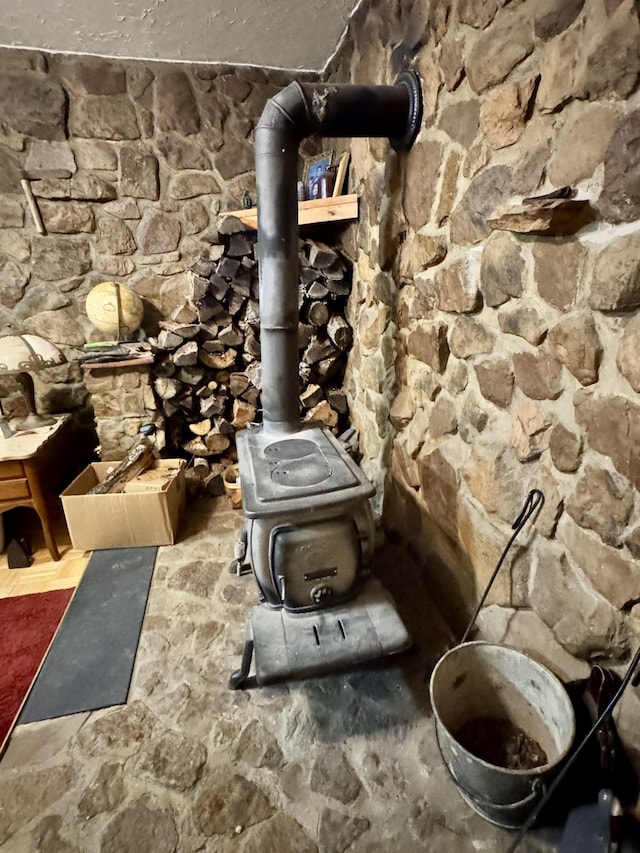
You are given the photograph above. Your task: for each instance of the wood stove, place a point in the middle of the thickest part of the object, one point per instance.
(309, 526)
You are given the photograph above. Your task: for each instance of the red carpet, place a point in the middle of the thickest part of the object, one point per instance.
(28, 624)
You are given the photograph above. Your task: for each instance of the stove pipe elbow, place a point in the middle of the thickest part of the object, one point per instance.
(296, 112)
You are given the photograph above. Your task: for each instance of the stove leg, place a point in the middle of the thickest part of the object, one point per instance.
(239, 676)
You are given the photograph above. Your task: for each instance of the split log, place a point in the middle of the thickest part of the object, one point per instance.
(238, 383)
(317, 290)
(228, 268)
(223, 426)
(214, 484)
(166, 388)
(338, 401)
(305, 333)
(169, 408)
(204, 268)
(335, 271)
(321, 256)
(317, 351)
(324, 413)
(252, 314)
(311, 396)
(186, 313)
(241, 283)
(304, 372)
(236, 304)
(191, 375)
(230, 337)
(186, 330)
(317, 313)
(208, 389)
(218, 287)
(201, 468)
(238, 246)
(164, 368)
(243, 414)
(168, 340)
(339, 332)
(328, 367)
(212, 406)
(207, 309)
(250, 395)
(231, 225)
(218, 360)
(213, 346)
(201, 428)
(217, 443)
(254, 372)
(197, 447)
(196, 474)
(138, 459)
(341, 287)
(199, 287)
(186, 355)
(308, 275)
(252, 346)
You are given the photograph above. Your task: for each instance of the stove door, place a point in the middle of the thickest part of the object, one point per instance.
(315, 565)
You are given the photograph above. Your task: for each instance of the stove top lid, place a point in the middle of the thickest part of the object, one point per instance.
(296, 472)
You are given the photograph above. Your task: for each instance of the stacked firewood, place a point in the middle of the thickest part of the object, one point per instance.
(207, 371)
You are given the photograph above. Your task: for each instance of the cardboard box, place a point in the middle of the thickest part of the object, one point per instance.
(146, 514)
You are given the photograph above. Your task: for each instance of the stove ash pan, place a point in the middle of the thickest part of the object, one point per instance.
(309, 523)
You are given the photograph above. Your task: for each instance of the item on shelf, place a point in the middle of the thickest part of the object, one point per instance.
(114, 308)
(341, 174)
(313, 169)
(327, 182)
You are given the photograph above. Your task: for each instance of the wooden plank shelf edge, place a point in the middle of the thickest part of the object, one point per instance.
(114, 364)
(334, 209)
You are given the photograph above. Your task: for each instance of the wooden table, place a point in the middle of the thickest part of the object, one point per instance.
(33, 466)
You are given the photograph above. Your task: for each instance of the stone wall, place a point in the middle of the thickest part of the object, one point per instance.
(487, 363)
(133, 164)
(123, 401)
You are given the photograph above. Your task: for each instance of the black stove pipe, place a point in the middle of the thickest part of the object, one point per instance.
(293, 114)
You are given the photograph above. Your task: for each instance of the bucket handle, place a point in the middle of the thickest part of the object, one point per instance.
(538, 789)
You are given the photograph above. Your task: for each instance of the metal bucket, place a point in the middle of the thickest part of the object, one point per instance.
(477, 680)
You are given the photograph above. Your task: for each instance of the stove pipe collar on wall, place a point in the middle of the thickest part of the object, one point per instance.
(296, 112)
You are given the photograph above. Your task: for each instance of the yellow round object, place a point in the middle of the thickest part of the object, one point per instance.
(114, 308)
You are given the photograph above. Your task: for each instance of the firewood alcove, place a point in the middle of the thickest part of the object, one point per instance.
(207, 371)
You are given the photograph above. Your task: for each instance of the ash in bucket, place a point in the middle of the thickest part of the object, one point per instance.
(500, 742)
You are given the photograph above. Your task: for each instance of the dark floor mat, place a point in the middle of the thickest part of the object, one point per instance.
(90, 662)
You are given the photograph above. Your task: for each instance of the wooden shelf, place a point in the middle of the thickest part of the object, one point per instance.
(340, 207)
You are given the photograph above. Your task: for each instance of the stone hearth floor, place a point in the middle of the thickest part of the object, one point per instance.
(341, 763)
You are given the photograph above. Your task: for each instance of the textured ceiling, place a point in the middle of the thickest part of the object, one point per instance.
(291, 34)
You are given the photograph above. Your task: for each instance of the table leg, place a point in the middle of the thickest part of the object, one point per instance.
(41, 506)
(48, 537)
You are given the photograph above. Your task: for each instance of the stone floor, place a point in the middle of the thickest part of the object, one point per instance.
(341, 763)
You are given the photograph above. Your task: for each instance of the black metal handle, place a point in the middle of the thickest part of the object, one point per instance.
(535, 499)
